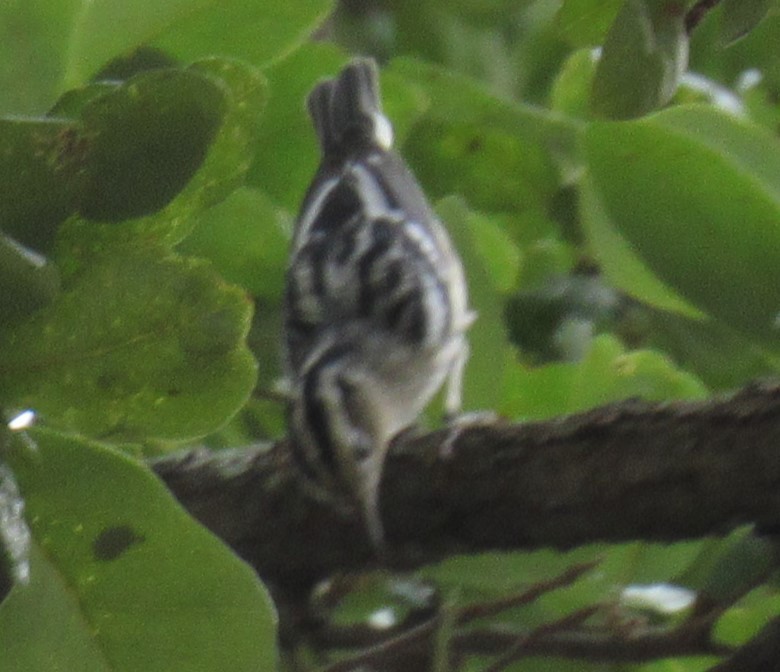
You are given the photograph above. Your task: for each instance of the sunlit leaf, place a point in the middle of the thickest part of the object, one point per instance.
(607, 373)
(696, 194)
(257, 32)
(139, 344)
(584, 23)
(34, 37)
(644, 54)
(571, 90)
(122, 579)
(247, 238)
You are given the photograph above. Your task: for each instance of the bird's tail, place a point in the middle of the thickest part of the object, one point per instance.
(347, 111)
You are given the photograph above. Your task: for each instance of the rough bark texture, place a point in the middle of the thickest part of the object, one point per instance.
(630, 470)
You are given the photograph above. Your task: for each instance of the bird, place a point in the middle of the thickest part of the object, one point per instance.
(376, 307)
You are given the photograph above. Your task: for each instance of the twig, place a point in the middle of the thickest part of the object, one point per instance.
(593, 645)
(495, 607)
(517, 651)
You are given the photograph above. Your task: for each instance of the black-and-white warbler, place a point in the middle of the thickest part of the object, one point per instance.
(375, 308)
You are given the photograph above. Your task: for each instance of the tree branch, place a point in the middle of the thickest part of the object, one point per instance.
(632, 470)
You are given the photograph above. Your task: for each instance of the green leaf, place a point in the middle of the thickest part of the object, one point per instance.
(503, 573)
(41, 168)
(222, 169)
(122, 579)
(758, 50)
(101, 30)
(404, 104)
(141, 59)
(761, 104)
(479, 578)
(494, 169)
(146, 140)
(500, 254)
(622, 266)
(497, 154)
(607, 373)
(584, 23)
(232, 151)
(696, 194)
(545, 258)
(740, 17)
(71, 103)
(748, 617)
(724, 360)
(644, 55)
(33, 39)
(646, 563)
(130, 150)
(257, 32)
(739, 567)
(571, 89)
(139, 345)
(50, 46)
(488, 336)
(28, 281)
(530, 393)
(286, 150)
(247, 239)
(45, 605)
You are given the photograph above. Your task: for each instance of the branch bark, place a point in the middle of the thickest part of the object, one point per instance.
(632, 470)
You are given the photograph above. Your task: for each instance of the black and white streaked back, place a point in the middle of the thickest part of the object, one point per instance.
(375, 303)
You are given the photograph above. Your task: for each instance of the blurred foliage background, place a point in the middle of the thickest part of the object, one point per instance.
(609, 170)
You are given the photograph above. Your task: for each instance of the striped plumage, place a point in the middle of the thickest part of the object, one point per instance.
(375, 307)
